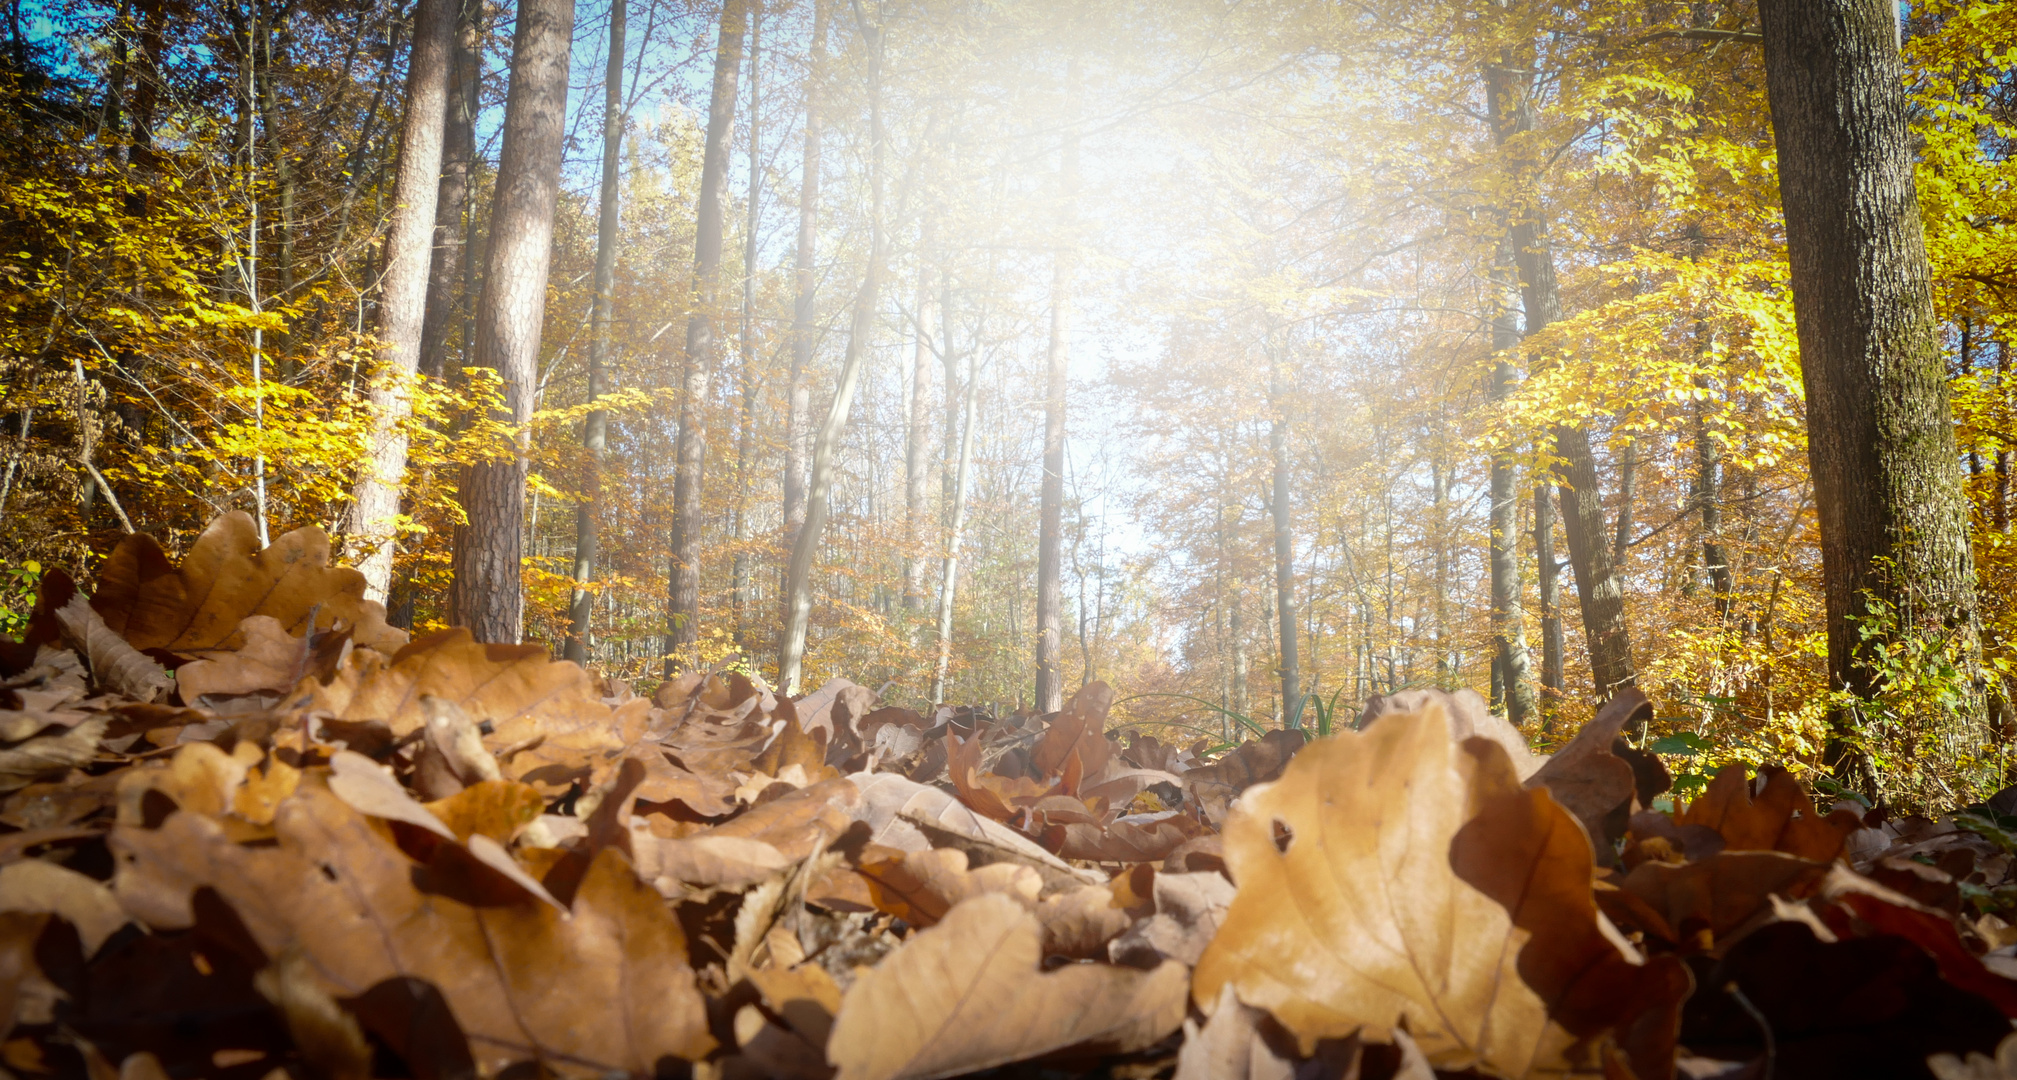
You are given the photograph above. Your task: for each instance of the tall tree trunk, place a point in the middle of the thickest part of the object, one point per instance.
(1709, 501)
(948, 584)
(487, 595)
(1509, 626)
(916, 466)
(403, 308)
(1285, 552)
(798, 574)
(805, 306)
(595, 427)
(1242, 695)
(1548, 583)
(697, 360)
(738, 578)
(2003, 452)
(1887, 483)
(1051, 496)
(448, 279)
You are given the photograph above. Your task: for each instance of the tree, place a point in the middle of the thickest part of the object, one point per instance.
(402, 306)
(805, 305)
(595, 426)
(454, 264)
(697, 360)
(487, 594)
(1051, 500)
(1285, 550)
(1887, 477)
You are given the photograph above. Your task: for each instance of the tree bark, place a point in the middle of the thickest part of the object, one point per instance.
(487, 595)
(2003, 453)
(697, 361)
(1709, 501)
(447, 292)
(1548, 584)
(403, 308)
(595, 426)
(1887, 482)
(1051, 495)
(1285, 552)
(1509, 626)
(798, 573)
(805, 306)
(948, 585)
(916, 467)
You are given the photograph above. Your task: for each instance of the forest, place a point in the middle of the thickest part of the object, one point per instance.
(809, 523)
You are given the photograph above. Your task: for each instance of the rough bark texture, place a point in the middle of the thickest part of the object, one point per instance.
(1051, 496)
(1285, 552)
(738, 577)
(403, 307)
(697, 358)
(805, 307)
(446, 293)
(1887, 480)
(1708, 496)
(595, 427)
(948, 583)
(486, 595)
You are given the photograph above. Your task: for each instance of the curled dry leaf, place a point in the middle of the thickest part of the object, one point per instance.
(1189, 909)
(271, 660)
(34, 887)
(549, 710)
(50, 754)
(1354, 921)
(1229, 1045)
(1525, 850)
(969, 994)
(361, 911)
(226, 577)
(1080, 728)
(1213, 787)
(1587, 778)
(706, 861)
(1700, 906)
(919, 887)
(1469, 717)
(910, 816)
(115, 665)
(1781, 817)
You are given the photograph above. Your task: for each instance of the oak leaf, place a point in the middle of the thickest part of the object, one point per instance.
(1781, 817)
(1587, 778)
(1213, 787)
(605, 989)
(115, 665)
(969, 994)
(1080, 728)
(225, 577)
(1353, 922)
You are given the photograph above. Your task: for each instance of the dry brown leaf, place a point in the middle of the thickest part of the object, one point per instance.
(608, 988)
(1469, 716)
(706, 860)
(1780, 818)
(1213, 787)
(796, 823)
(1229, 1046)
(549, 708)
(1699, 905)
(270, 660)
(370, 789)
(115, 665)
(200, 778)
(1082, 922)
(493, 808)
(1189, 909)
(900, 810)
(226, 577)
(1361, 925)
(1125, 840)
(50, 755)
(919, 887)
(969, 994)
(1587, 778)
(34, 887)
(1080, 728)
(1525, 850)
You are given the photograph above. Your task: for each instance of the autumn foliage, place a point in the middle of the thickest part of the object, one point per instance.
(320, 848)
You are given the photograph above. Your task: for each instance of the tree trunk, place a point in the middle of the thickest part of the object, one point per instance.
(1887, 484)
(447, 281)
(805, 308)
(2003, 454)
(403, 308)
(697, 360)
(1051, 495)
(1509, 626)
(948, 584)
(916, 468)
(1285, 552)
(798, 574)
(595, 427)
(486, 595)
(1709, 501)
(738, 578)
(1549, 585)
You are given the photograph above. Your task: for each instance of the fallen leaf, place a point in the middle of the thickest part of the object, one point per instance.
(968, 994)
(608, 988)
(226, 577)
(707, 861)
(271, 660)
(1469, 717)
(50, 755)
(493, 808)
(1360, 925)
(1780, 818)
(1213, 787)
(1189, 909)
(34, 887)
(919, 887)
(1080, 728)
(115, 665)
(1699, 905)
(1229, 1046)
(1589, 780)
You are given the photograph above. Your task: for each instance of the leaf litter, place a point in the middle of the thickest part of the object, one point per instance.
(253, 831)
